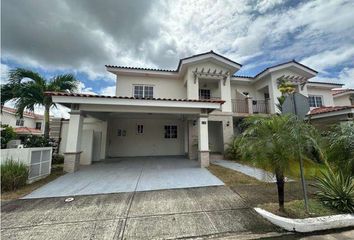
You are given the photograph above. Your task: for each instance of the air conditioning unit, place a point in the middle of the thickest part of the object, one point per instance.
(13, 144)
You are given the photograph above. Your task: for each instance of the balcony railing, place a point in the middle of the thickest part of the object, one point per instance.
(260, 106)
(250, 106)
(240, 106)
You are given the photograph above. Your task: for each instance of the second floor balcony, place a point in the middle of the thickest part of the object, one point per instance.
(250, 106)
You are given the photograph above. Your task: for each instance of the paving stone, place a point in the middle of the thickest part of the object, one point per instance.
(163, 202)
(169, 226)
(22, 213)
(110, 229)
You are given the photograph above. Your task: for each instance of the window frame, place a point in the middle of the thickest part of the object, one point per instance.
(316, 101)
(145, 90)
(171, 131)
(20, 122)
(40, 125)
(201, 96)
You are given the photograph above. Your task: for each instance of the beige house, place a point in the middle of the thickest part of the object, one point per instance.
(194, 110)
(30, 123)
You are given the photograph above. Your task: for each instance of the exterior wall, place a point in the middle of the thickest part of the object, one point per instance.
(342, 100)
(151, 143)
(10, 119)
(241, 88)
(325, 93)
(163, 87)
(98, 127)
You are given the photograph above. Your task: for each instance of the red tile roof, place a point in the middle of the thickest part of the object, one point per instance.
(27, 130)
(281, 64)
(123, 97)
(25, 113)
(339, 91)
(321, 110)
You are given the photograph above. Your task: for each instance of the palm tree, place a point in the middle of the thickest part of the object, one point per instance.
(28, 89)
(275, 143)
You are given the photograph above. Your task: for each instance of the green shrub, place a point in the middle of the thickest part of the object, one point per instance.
(36, 141)
(336, 190)
(57, 159)
(13, 175)
(232, 152)
(341, 147)
(7, 134)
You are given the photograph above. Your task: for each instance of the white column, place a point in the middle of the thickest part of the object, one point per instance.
(225, 94)
(73, 144)
(203, 141)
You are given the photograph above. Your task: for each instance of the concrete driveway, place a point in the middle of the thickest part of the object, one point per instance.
(163, 214)
(129, 175)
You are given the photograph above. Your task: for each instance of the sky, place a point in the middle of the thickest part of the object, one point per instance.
(80, 37)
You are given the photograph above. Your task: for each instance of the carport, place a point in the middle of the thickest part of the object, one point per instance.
(129, 175)
(135, 127)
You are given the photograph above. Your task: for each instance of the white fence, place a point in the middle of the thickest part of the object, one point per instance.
(39, 160)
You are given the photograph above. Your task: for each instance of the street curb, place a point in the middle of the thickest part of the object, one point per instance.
(308, 224)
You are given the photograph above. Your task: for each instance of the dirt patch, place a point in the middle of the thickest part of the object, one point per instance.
(296, 209)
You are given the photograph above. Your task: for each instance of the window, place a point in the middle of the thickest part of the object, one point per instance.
(143, 91)
(139, 129)
(315, 101)
(38, 125)
(170, 131)
(204, 93)
(20, 122)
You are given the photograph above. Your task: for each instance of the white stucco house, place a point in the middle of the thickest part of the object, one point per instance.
(193, 110)
(30, 123)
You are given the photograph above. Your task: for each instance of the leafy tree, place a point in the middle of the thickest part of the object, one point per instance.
(7, 134)
(275, 143)
(28, 89)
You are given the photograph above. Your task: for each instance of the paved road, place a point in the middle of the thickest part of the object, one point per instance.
(180, 213)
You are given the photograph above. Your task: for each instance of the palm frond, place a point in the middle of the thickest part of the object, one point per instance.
(65, 82)
(18, 74)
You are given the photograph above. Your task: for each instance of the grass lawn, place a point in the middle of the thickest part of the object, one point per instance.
(295, 209)
(311, 169)
(231, 177)
(57, 171)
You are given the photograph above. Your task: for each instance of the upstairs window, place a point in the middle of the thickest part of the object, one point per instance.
(204, 94)
(143, 91)
(38, 125)
(20, 122)
(315, 101)
(170, 131)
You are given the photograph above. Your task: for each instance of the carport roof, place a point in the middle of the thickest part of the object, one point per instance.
(65, 94)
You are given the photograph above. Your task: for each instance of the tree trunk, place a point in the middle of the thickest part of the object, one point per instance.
(280, 185)
(46, 122)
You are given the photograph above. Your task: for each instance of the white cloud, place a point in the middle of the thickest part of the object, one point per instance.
(108, 91)
(81, 88)
(330, 58)
(4, 73)
(346, 76)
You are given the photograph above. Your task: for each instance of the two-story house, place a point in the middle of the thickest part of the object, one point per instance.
(193, 110)
(30, 123)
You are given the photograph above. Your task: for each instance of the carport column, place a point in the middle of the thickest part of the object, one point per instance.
(73, 145)
(203, 141)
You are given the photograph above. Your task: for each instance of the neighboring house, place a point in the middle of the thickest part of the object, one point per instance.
(194, 110)
(30, 123)
(338, 108)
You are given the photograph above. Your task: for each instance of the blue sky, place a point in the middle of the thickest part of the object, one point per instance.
(80, 37)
